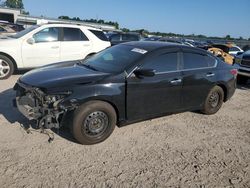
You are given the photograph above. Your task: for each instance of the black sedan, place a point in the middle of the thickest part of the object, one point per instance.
(126, 83)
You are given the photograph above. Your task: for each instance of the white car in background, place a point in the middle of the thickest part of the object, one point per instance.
(41, 45)
(234, 50)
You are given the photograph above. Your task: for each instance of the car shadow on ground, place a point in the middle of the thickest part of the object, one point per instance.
(21, 72)
(12, 115)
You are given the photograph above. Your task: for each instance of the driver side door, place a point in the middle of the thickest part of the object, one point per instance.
(159, 94)
(45, 49)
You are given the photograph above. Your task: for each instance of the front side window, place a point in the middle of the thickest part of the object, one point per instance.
(47, 35)
(73, 34)
(163, 63)
(194, 61)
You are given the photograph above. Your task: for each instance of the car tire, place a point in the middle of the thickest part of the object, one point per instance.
(93, 122)
(242, 79)
(6, 67)
(214, 101)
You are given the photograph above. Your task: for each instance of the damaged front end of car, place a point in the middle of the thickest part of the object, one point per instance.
(46, 109)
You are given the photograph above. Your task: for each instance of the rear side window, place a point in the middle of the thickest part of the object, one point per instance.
(115, 37)
(2, 29)
(47, 35)
(129, 37)
(194, 61)
(234, 49)
(99, 34)
(73, 34)
(163, 63)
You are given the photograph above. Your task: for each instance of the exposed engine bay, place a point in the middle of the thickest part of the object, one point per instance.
(35, 104)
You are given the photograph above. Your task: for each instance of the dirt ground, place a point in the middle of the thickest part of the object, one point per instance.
(182, 150)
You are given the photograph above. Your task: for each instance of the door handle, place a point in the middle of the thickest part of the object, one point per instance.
(210, 74)
(176, 81)
(55, 47)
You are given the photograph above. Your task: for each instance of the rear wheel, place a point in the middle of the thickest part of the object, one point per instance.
(213, 101)
(93, 122)
(6, 67)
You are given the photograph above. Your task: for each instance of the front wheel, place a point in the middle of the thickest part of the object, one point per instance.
(6, 67)
(93, 122)
(213, 101)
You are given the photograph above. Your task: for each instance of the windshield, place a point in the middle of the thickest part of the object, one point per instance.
(115, 59)
(24, 32)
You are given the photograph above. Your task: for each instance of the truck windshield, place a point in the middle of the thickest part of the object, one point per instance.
(24, 32)
(115, 59)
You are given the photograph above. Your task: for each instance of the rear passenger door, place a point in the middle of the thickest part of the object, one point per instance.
(74, 44)
(199, 76)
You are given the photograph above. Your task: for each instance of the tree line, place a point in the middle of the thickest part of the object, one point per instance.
(99, 21)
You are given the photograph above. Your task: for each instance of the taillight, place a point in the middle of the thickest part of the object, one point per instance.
(234, 72)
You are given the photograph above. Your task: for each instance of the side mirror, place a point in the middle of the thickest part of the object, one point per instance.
(144, 73)
(31, 41)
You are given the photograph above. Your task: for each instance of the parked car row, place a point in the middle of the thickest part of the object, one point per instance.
(41, 45)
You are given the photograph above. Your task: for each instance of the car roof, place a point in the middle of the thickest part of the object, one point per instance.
(156, 45)
(152, 45)
(69, 25)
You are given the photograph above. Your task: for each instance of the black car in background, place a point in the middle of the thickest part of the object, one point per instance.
(242, 63)
(118, 38)
(123, 84)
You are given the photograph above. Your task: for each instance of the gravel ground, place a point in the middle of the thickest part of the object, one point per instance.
(182, 150)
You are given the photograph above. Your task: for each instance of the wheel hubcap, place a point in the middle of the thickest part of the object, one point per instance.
(214, 99)
(95, 124)
(4, 68)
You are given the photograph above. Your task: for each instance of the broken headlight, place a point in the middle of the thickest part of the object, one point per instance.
(55, 99)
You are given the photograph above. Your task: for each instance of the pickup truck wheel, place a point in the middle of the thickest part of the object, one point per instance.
(6, 67)
(93, 122)
(213, 101)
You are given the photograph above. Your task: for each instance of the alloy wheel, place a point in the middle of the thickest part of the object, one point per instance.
(4, 68)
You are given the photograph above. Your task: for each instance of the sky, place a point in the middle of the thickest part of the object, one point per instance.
(208, 17)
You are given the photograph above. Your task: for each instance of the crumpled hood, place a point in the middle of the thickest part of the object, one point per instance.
(61, 74)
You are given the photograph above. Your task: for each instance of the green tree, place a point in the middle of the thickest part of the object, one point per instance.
(18, 4)
(25, 12)
(125, 30)
(228, 37)
(64, 17)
